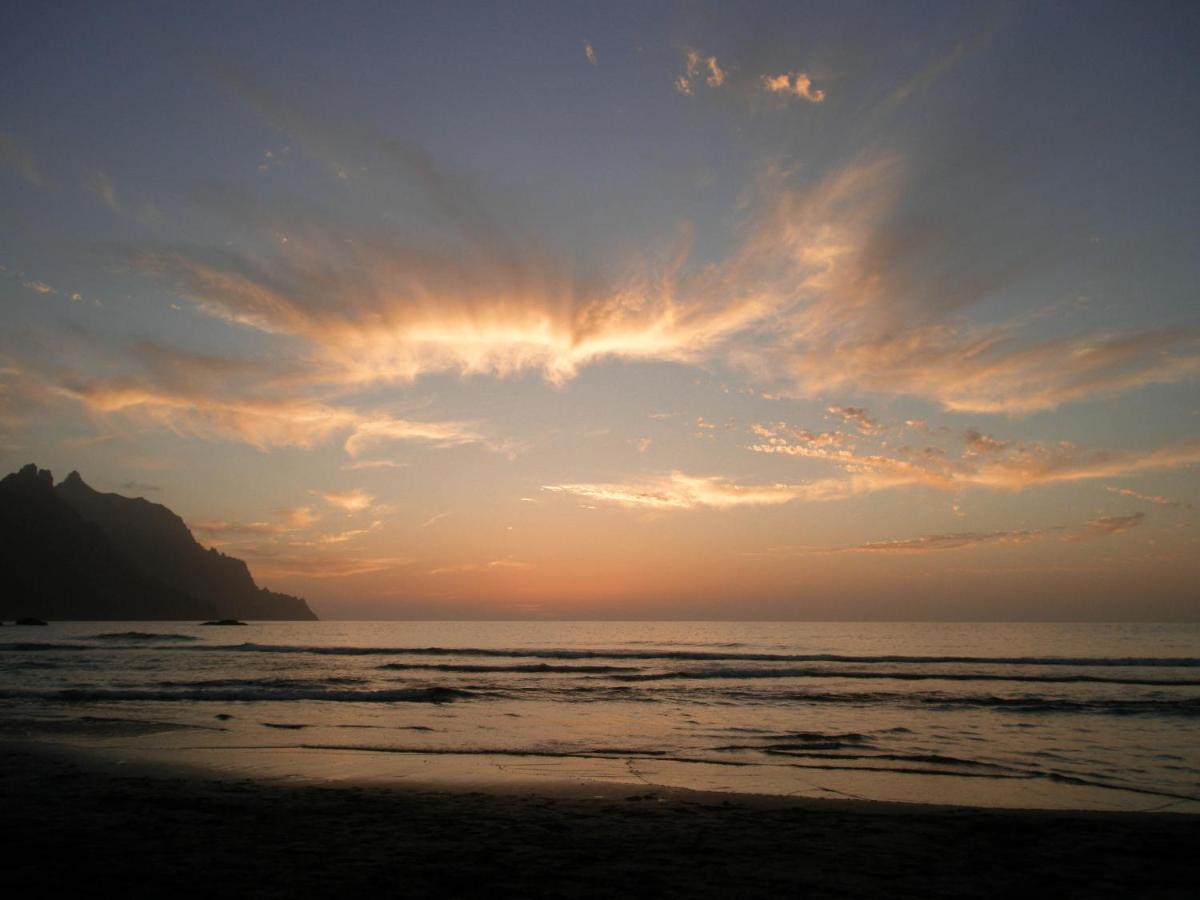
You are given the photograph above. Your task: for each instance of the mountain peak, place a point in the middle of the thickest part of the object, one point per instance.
(29, 477)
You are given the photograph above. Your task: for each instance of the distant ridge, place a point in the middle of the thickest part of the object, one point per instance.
(71, 552)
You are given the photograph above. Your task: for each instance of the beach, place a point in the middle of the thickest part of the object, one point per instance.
(600, 760)
(74, 820)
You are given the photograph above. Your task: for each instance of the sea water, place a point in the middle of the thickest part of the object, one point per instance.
(1038, 715)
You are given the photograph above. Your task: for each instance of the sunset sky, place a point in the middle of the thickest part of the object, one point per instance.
(651, 310)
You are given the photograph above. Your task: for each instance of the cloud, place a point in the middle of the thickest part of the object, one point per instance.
(375, 464)
(590, 53)
(288, 520)
(1107, 525)
(1005, 466)
(716, 75)
(855, 416)
(1096, 528)
(978, 442)
(496, 565)
(40, 287)
(139, 487)
(792, 85)
(354, 500)
(699, 68)
(299, 516)
(269, 563)
(1101, 527)
(204, 411)
(102, 186)
(934, 542)
(817, 292)
(15, 156)
(369, 432)
(1148, 498)
(680, 491)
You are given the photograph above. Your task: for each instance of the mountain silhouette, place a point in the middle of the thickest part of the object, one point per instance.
(71, 552)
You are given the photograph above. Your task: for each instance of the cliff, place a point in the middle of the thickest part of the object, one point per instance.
(70, 552)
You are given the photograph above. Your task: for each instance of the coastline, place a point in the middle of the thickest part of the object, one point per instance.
(75, 818)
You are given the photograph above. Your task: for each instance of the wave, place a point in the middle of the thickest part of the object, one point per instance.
(35, 647)
(140, 636)
(651, 655)
(907, 765)
(265, 683)
(703, 656)
(742, 673)
(92, 695)
(531, 669)
(1183, 707)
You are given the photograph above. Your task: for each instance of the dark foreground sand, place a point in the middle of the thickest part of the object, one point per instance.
(71, 826)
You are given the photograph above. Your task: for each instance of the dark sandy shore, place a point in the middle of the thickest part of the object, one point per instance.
(72, 826)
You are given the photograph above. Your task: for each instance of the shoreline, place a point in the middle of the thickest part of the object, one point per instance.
(75, 819)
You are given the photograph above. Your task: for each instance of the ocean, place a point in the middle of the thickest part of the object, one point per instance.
(1088, 716)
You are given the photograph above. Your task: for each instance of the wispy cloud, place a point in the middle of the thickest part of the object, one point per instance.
(369, 432)
(814, 296)
(856, 416)
(19, 158)
(1102, 527)
(217, 413)
(1107, 525)
(934, 542)
(286, 521)
(1148, 498)
(353, 500)
(495, 565)
(1004, 466)
(360, 464)
(103, 187)
(680, 491)
(139, 487)
(269, 563)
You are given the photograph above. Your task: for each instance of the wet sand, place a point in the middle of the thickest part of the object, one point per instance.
(74, 822)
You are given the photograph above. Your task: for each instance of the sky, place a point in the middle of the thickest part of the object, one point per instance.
(648, 310)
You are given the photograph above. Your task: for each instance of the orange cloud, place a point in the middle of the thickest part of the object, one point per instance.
(934, 542)
(697, 67)
(680, 491)
(1107, 525)
(793, 84)
(1005, 466)
(716, 75)
(855, 416)
(262, 423)
(354, 500)
(290, 520)
(811, 298)
(268, 563)
(1149, 498)
(495, 565)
